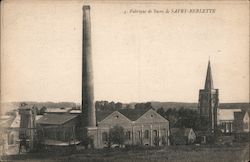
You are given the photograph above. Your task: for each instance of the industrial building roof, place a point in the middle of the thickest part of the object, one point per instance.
(131, 114)
(55, 119)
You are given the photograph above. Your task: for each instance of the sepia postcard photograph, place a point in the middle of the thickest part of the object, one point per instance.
(124, 81)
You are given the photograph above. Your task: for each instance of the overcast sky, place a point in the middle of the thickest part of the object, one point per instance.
(136, 57)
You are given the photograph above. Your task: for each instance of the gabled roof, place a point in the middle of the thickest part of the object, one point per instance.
(55, 119)
(115, 118)
(101, 115)
(133, 114)
(16, 122)
(151, 116)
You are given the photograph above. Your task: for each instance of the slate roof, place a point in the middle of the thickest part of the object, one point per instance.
(101, 115)
(131, 114)
(56, 119)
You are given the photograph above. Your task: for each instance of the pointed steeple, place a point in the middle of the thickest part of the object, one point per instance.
(209, 80)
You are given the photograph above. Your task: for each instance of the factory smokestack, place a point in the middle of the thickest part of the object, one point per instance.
(88, 105)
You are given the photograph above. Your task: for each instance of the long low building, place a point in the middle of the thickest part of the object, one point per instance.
(58, 129)
(141, 127)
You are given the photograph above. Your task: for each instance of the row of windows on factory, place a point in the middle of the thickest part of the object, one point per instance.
(128, 135)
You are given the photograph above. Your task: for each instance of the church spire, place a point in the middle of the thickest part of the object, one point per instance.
(209, 80)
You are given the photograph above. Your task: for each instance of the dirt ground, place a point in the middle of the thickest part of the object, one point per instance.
(191, 153)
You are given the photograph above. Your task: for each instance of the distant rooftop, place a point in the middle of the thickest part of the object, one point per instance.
(5, 117)
(227, 114)
(56, 119)
(17, 121)
(58, 110)
(75, 111)
(5, 120)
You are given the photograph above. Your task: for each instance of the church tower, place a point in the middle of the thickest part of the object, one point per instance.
(208, 103)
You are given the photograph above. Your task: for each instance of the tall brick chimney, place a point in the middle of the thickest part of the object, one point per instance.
(88, 105)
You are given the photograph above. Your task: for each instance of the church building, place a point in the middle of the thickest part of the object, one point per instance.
(208, 103)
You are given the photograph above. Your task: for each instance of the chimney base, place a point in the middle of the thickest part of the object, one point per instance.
(91, 133)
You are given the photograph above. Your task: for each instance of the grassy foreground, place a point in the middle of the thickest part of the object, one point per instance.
(235, 153)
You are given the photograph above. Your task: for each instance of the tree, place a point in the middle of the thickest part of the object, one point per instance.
(118, 106)
(87, 141)
(148, 105)
(204, 123)
(139, 106)
(116, 135)
(168, 112)
(22, 104)
(112, 105)
(161, 111)
(164, 142)
(42, 110)
(188, 119)
(144, 106)
(156, 141)
(172, 116)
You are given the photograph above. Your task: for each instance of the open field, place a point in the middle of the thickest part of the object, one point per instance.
(235, 153)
